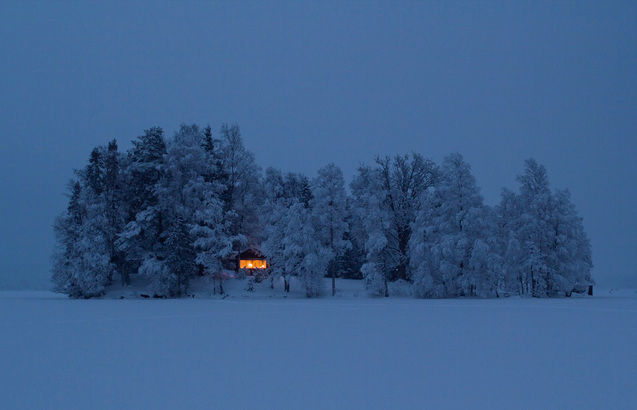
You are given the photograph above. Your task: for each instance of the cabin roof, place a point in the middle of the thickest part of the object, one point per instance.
(251, 254)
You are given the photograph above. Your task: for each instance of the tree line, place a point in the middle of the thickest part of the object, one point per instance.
(174, 208)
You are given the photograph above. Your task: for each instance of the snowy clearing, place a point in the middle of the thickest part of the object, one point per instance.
(351, 351)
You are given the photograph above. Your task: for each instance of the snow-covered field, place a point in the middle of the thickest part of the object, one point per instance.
(352, 351)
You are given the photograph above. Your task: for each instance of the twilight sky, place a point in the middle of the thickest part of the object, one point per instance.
(316, 82)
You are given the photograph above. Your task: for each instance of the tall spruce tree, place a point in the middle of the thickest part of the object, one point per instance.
(143, 237)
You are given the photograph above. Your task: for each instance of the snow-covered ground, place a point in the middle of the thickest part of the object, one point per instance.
(263, 350)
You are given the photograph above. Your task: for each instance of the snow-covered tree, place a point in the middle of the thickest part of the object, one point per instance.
(214, 159)
(143, 169)
(189, 204)
(141, 240)
(535, 231)
(242, 195)
(81, 260)
(290, 240)
(328, 206)
(90, 265)
(297, 186)
(274, 214)
(572, 246)
(451, 245)
(373, 221)
(378, 265)
(103, 194)
(386, 199)
(114, 209)
(159, 237)
(547, 251)
(66, 229)
(351, 261)
(85, 257)
(212, 241)
(507, 227)
(303, 252)
(403, 180)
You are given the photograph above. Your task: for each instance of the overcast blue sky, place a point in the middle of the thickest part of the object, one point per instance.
(317, 82)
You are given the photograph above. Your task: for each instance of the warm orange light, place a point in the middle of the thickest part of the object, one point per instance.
(253, 264)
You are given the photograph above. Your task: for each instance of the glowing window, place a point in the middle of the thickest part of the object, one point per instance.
(253, 264)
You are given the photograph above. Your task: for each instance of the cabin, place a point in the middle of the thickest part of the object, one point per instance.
(252, 260)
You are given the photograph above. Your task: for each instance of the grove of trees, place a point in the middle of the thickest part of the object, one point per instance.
(174, 208)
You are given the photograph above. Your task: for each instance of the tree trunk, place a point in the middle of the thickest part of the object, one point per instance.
(125, 277)
(386, 288)
(403, 245)
(333, 282)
